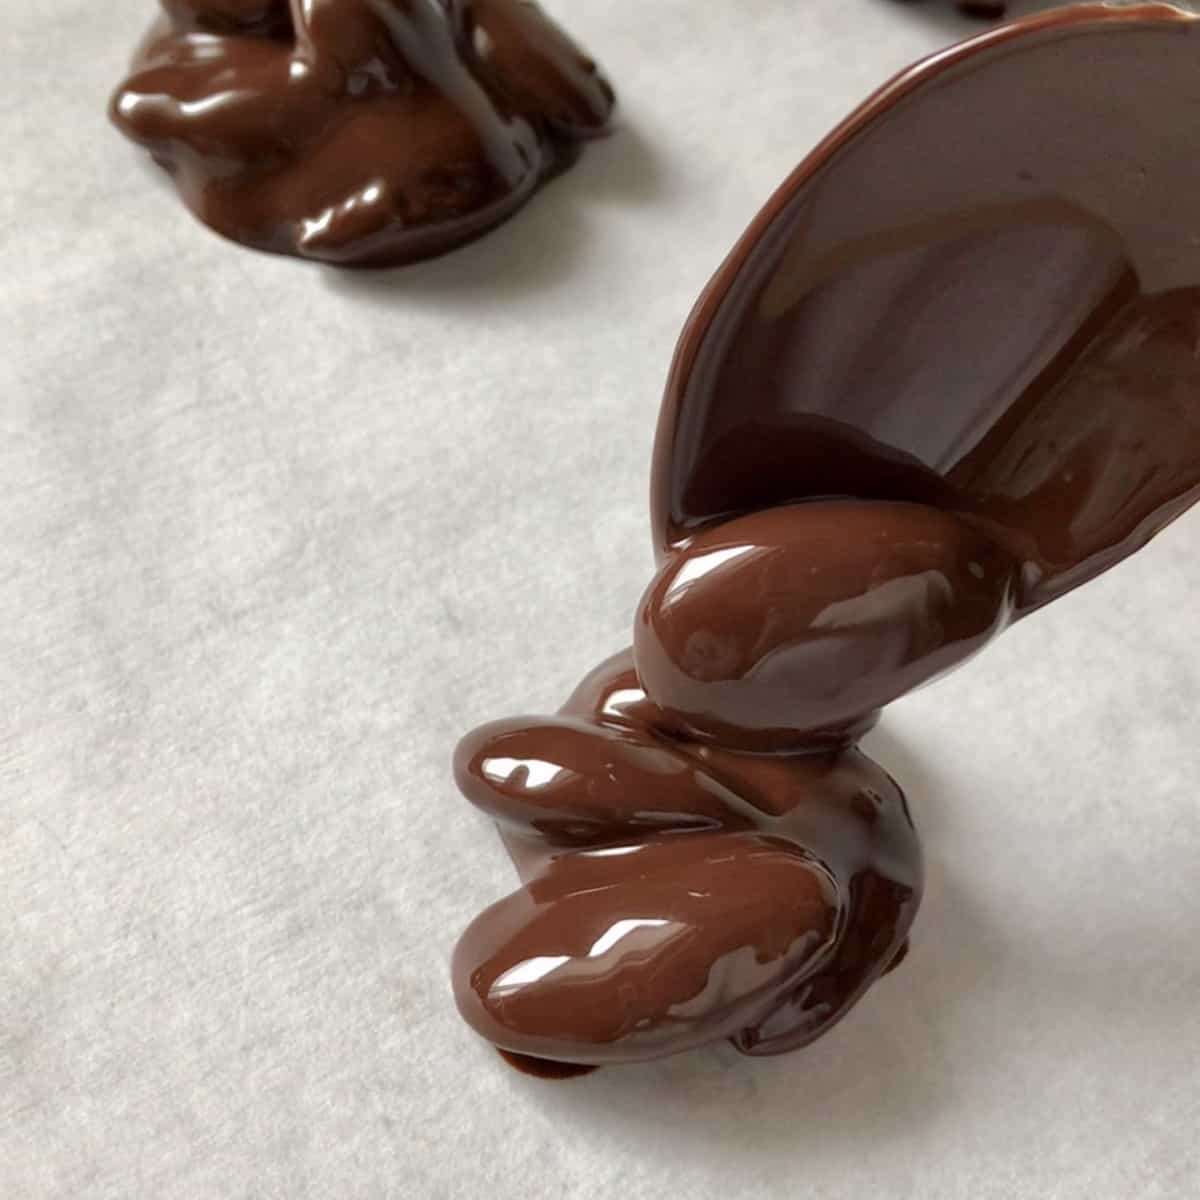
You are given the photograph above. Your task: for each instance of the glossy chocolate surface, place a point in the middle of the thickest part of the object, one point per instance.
(951, 371)
(695, 895)
(359, 132)
(866, 602)
(980, 294)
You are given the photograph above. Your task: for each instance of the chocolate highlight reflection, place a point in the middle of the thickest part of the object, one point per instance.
(359, 132)
(950, 372)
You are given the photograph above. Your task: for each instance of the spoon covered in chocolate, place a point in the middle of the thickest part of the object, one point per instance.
(359, 132)
(951, 372)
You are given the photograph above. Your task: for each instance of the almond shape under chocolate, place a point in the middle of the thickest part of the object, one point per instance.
(574, 783)
(711, 928)
(803, 619)
(981, 292)
(951, 371)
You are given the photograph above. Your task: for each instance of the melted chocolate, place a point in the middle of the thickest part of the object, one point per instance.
(969, 305)
(676, 894)
(359, 132)
(951, 371)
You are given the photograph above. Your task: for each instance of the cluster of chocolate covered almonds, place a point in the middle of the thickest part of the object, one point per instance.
(359, 132)
(949, 374)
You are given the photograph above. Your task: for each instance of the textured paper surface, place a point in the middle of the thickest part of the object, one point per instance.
(273, 537)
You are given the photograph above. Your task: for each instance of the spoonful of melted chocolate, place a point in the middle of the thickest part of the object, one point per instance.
(951, 372)
(359, 132)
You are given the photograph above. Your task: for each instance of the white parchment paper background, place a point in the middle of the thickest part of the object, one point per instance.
(272, 537)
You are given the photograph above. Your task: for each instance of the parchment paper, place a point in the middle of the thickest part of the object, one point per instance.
(273, 537)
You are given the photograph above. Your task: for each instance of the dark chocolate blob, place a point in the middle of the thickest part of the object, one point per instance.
(359, 132)
(951, 371)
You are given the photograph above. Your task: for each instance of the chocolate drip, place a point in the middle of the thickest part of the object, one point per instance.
(359, 132)
(951, 372)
